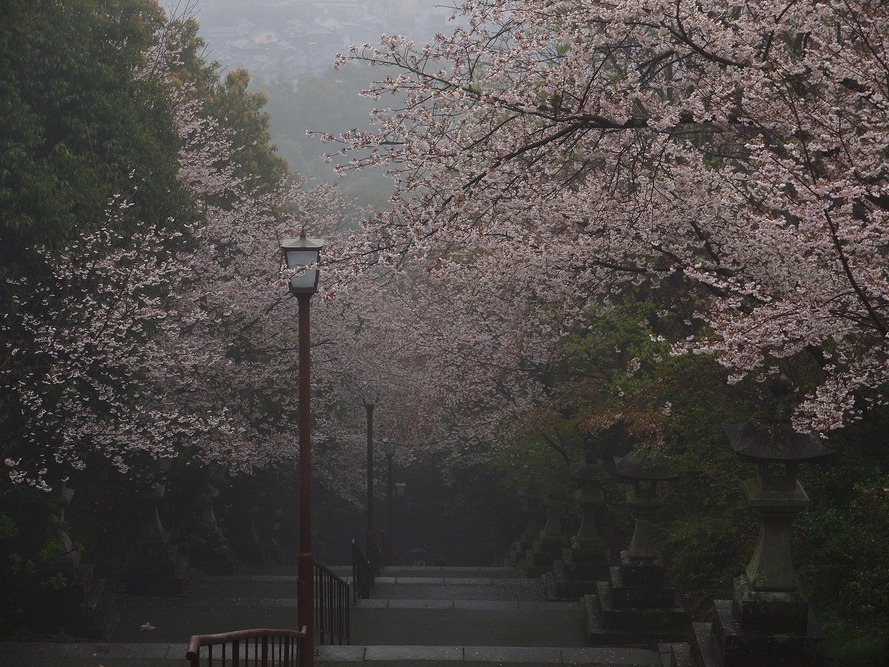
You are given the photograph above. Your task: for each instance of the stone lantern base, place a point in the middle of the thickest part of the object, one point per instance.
(636, 606)
(543, 553)
(578, 572)
(524, 545)
(587, 559)
(517, 551)
(760, 629)
(770, 611)
(727, 643)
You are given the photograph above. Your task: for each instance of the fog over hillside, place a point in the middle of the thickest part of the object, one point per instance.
(285, 39)
(288, 47)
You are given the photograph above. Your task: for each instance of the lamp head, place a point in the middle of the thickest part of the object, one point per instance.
(389, 447)
(370, 398)
(300, 253)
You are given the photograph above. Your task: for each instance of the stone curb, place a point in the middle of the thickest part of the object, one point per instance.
(614, 657)
(521, 605)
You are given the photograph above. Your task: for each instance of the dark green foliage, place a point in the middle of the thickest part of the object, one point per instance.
(709, 537)
(841, 545)
(79, 127)
(674, 409)
(85, 120)
(238, 111)
(242, 112)
(31, 546)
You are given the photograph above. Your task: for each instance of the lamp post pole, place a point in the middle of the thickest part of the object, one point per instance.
(303, 253)
(399, 495)
(305, 564)
(389, 447)
(370, 401)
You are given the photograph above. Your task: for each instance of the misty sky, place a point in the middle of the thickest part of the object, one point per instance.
(277, 39)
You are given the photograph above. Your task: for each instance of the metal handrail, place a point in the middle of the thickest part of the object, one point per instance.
(331, 606)
(262, 647)
(362, 575)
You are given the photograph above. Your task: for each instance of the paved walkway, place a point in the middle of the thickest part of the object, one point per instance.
(432, 617)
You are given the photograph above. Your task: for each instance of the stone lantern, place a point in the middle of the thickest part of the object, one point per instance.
(637, 603)
(548, 546)
(769, 622)
(590, 478)
(210, 551)
(587, 559)
(645, 499)
(776, 494)
(531, 509)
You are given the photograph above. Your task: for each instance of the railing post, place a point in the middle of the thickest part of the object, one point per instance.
(332, 601)
(280, 648)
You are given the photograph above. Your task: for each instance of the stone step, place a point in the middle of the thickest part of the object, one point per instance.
(486, 572)
(468, 623)
(486, 656)
(407, 586)
(375, 621)
(466, 589)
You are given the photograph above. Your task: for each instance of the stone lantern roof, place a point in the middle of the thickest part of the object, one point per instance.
(755, 441)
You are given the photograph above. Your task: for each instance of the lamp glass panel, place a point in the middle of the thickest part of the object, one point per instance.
(301, 257)
(305, 280)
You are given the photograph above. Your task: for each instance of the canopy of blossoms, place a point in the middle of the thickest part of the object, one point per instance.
(556, 150)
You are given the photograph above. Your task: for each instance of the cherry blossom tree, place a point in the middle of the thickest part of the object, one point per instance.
(733, 152)
(446, 381)
(159, 337)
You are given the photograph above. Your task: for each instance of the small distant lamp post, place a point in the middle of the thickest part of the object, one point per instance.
(400, 488)
(304, 253)
(389, 448)
(370, 400)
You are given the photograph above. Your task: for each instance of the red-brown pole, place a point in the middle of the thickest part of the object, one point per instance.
(305, 565)
(390, 543)
(371, 541)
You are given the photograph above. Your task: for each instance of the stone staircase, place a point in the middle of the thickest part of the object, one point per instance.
(475, 616)
(427, 616)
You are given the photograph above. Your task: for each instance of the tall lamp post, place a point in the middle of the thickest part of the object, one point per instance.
(389, 447)
(370, 400)
(400, 488)
(302, 253)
